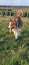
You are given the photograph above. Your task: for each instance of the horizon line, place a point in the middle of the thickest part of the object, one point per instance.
(13, 5)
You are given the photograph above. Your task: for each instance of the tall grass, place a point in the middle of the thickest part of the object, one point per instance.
(14, 52)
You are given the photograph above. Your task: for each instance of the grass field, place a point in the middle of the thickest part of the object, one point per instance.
(14, 52)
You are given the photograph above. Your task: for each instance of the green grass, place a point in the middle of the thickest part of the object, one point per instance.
(14, 52)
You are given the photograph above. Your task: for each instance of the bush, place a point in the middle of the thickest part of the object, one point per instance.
(28, 15)
(3, 13)
(24, 14)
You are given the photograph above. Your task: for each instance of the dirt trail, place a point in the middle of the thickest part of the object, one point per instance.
(5, 17)
(8, 18)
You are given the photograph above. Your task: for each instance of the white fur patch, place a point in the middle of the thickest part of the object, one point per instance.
(17, 33)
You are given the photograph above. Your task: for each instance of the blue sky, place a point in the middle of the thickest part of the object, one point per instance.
(15, 2)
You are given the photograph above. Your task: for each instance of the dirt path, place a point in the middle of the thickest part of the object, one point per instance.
(8, 18)
(5, 17)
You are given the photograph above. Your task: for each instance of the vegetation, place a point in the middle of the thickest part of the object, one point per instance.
(5, 12)
(14, 52)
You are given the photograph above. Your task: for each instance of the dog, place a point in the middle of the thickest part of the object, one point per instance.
(12, 28)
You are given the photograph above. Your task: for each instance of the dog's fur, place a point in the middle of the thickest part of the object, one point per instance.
(16, 31)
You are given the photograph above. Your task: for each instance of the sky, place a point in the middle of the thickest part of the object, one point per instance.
(15, 2)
